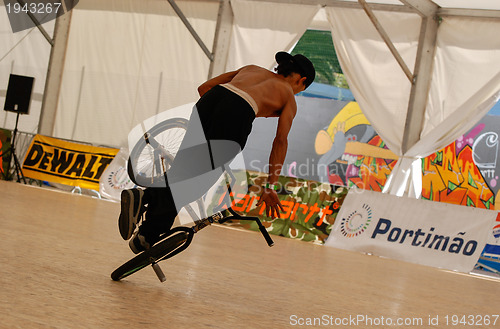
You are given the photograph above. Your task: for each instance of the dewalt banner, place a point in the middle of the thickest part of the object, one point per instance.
(68, 163)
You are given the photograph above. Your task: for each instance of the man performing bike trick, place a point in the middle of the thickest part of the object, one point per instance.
(226, 109)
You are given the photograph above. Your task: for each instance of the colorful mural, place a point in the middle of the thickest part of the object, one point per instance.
(466, 171)
(352, 154)
(310, 208)
(451, 175)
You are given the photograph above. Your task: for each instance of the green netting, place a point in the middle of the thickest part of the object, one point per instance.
(318, 47)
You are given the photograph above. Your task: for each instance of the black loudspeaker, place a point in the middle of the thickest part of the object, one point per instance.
(18, 95)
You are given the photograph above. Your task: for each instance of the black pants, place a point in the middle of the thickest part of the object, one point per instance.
(226, 120)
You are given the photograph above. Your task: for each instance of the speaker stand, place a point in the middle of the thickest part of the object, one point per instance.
(12, 154)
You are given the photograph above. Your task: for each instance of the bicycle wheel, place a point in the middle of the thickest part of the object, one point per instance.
(164, 139)
(156, 253)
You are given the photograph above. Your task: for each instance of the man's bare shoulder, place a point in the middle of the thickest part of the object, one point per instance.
(253, 76)
(253, 67)
(254, 70)
(269, 90)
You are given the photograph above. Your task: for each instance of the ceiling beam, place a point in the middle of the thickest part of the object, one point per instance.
(343, 4)
(190, 28)
(37, 23)
(411, 6)
(386, 39)
(424, 8)
(486, 13)
(471, 13)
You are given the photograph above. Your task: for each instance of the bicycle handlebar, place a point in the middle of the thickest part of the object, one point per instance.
(262, 228)
(264, 232)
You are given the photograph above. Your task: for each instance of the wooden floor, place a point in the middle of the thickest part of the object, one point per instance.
(58, 250)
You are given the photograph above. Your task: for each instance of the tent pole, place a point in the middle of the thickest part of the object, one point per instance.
(54, 75)
(222, 39)
(420, 88)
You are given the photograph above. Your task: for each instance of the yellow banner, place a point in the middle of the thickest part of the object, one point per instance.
(68, 163)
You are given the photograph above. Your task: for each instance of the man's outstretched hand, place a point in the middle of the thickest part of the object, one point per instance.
(273, 204)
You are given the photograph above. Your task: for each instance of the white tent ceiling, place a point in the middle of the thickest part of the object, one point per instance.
(221, 31)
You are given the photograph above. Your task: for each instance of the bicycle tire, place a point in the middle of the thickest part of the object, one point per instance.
(156, 253)
(143, 168)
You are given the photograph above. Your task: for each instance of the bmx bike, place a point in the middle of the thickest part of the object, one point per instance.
(152, 156)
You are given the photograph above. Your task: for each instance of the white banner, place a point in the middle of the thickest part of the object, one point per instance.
(418, 231)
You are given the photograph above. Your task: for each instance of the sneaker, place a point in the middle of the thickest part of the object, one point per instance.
(131, 210)
(138, 243)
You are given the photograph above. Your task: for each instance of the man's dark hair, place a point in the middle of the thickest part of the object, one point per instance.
(286, 68)
(288, 64)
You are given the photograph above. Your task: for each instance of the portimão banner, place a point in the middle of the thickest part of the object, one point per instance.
(418, 231)
(68, 163)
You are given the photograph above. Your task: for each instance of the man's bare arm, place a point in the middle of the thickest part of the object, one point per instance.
(280, 143)
(276, 159)
(223, 78)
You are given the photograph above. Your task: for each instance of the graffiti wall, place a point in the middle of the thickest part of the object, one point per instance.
(310, 208)
(466, 172)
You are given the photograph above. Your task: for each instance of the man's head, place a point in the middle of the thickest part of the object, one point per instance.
(288, 64)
